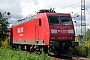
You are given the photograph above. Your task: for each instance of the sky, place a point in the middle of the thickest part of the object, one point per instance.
(22, 8)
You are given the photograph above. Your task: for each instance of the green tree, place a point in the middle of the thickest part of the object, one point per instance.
(3, 27)
(79, 36)
(87, 35)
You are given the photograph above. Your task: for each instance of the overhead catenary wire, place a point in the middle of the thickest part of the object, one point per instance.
(71, 5)
(25, 5)
(17, 4)
(47, 5)
(66, 6)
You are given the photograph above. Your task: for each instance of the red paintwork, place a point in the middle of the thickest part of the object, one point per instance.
(60, 36)
(32, 31)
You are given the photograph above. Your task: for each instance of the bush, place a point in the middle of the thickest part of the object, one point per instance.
(7, 54)
(88, 53)
(81, 51)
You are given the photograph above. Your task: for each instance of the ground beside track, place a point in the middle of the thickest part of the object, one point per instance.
(73, 58)
(67, 58)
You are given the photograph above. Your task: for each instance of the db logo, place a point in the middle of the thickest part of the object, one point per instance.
(19, 30)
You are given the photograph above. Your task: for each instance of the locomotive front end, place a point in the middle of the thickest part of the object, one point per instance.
(62, 33)
(62, 28)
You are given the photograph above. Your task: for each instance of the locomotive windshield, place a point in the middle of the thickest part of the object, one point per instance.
(53, 20)
(60, 20)
(65, 20)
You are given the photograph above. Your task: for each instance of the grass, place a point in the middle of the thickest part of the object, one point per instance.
(6, 53)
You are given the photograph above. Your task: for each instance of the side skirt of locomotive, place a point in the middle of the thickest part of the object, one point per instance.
(29, 45)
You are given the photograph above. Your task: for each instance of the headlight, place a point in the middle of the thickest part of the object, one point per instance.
(70, 31)
(53, 31)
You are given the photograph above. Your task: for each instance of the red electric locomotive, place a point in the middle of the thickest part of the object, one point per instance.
(48, 29)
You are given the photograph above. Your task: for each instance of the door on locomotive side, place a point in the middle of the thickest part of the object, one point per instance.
(38, 31)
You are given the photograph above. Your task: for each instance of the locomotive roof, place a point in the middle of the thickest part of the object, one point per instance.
(24, 20)
(34, 17)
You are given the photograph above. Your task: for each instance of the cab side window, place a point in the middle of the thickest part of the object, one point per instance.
(40, 23)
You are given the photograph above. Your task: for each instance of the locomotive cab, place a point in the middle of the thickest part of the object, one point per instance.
(62, 33)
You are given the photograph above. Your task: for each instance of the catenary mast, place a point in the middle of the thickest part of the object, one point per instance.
(83, 20)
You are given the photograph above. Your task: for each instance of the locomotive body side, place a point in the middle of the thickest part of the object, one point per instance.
(32, 32)
(24, 33)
